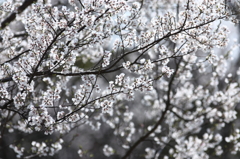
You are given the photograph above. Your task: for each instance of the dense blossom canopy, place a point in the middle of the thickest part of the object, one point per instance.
(118, 79)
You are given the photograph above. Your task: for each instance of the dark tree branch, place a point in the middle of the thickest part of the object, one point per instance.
(54, 40)
(81, 3)
(15, 57)
(168, 104)
(107, 70)
(46, 51)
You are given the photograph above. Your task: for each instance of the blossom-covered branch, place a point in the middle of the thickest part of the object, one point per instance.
(118, 79)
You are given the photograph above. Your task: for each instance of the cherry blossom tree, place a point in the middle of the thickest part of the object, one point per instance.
(118, 79)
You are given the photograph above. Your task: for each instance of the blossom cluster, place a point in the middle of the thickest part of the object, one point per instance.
(113, 75)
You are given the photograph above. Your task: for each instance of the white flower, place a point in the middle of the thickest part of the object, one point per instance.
(150, 153)
(19, 99)
(126, 65)
(167, 70)
(106, 59)
(80, 153)
(212, 58)
(107, 106)
(107, 150)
